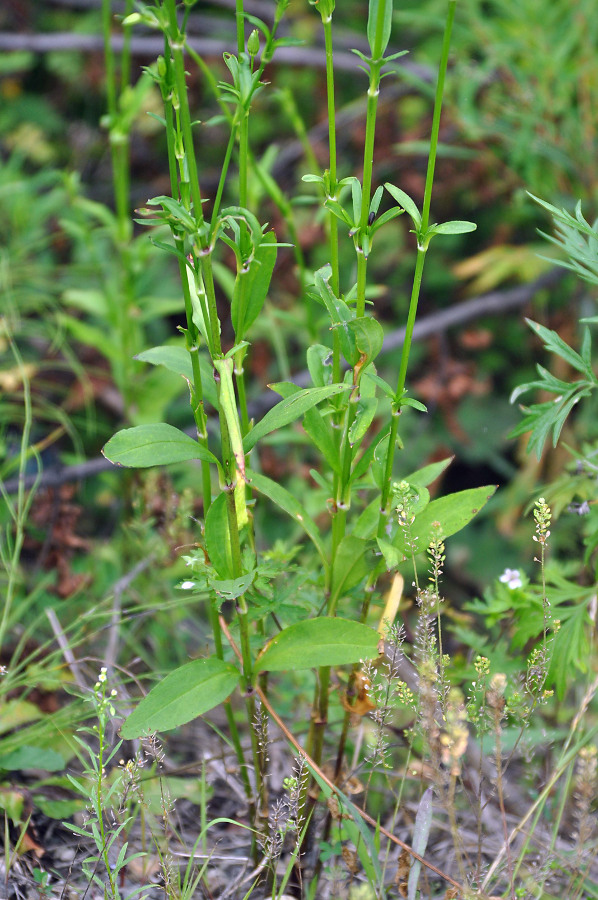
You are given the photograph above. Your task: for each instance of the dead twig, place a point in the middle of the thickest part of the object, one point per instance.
(366, 818)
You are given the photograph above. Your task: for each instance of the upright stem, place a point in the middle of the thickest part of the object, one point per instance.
(189, 186)
(368, 153)
(368, 168)
(240, 26)
(343, 493)
(419, 268)
(118, 138)
(10, 556)
(193, 347)
(332, 220)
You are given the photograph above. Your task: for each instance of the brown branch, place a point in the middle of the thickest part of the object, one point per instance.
(366, 818)
(153, 46)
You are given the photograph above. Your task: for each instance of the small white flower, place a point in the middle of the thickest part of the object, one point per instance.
(187, 585)
(511, 578)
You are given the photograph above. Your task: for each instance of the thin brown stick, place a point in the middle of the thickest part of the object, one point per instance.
(291, 739)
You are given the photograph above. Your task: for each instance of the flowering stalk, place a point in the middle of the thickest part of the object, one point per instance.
(99, 795)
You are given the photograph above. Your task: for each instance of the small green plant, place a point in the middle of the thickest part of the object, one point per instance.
(338, 411)
(106, 833)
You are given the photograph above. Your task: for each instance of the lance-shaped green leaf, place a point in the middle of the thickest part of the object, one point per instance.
(427, 474)
(554, 342)
(289, 503)
(320, 432)
(392, 555)
(369, 337)
(175, 213)
(288, 410)
(365, 411)
(350, 566)
(228, 407)
(177, 359)
(367, 521)
(199, 303)
(379, 26)
(376, 452)
(173, 357)
(358, 832)
(421, 833)
(319, 364)
(455, 227)
(405, 201)
(154, 445)
(315, 426)
(251, 286)
(183, 695)
(443, 517)
(340, 314)
(217, 536)
(318, 642)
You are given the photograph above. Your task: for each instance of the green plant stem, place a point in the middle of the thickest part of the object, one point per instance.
(175, 65)
(109, 62)
(338, 522)
(118, 137)
(222, 181)
(240, 13)
(243, 156)
(343, 494)
(11, 556)
(332, 220)
(100, 809)
(125, 56)
(193, 346)
(368, 155)
(342, 482)
(216, 352)
(419, 268)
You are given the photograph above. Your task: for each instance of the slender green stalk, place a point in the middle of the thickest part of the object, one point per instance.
(197, 391)
(240, 13)
(189, 186)
(332, 220)
(342, 492)
(125, 55)
(109, 61)
(368, 154)
(394, 425)
(118, 132)
(419, 268)
(119, 138)
(333, 245)
(373, 91)
(10, 548)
